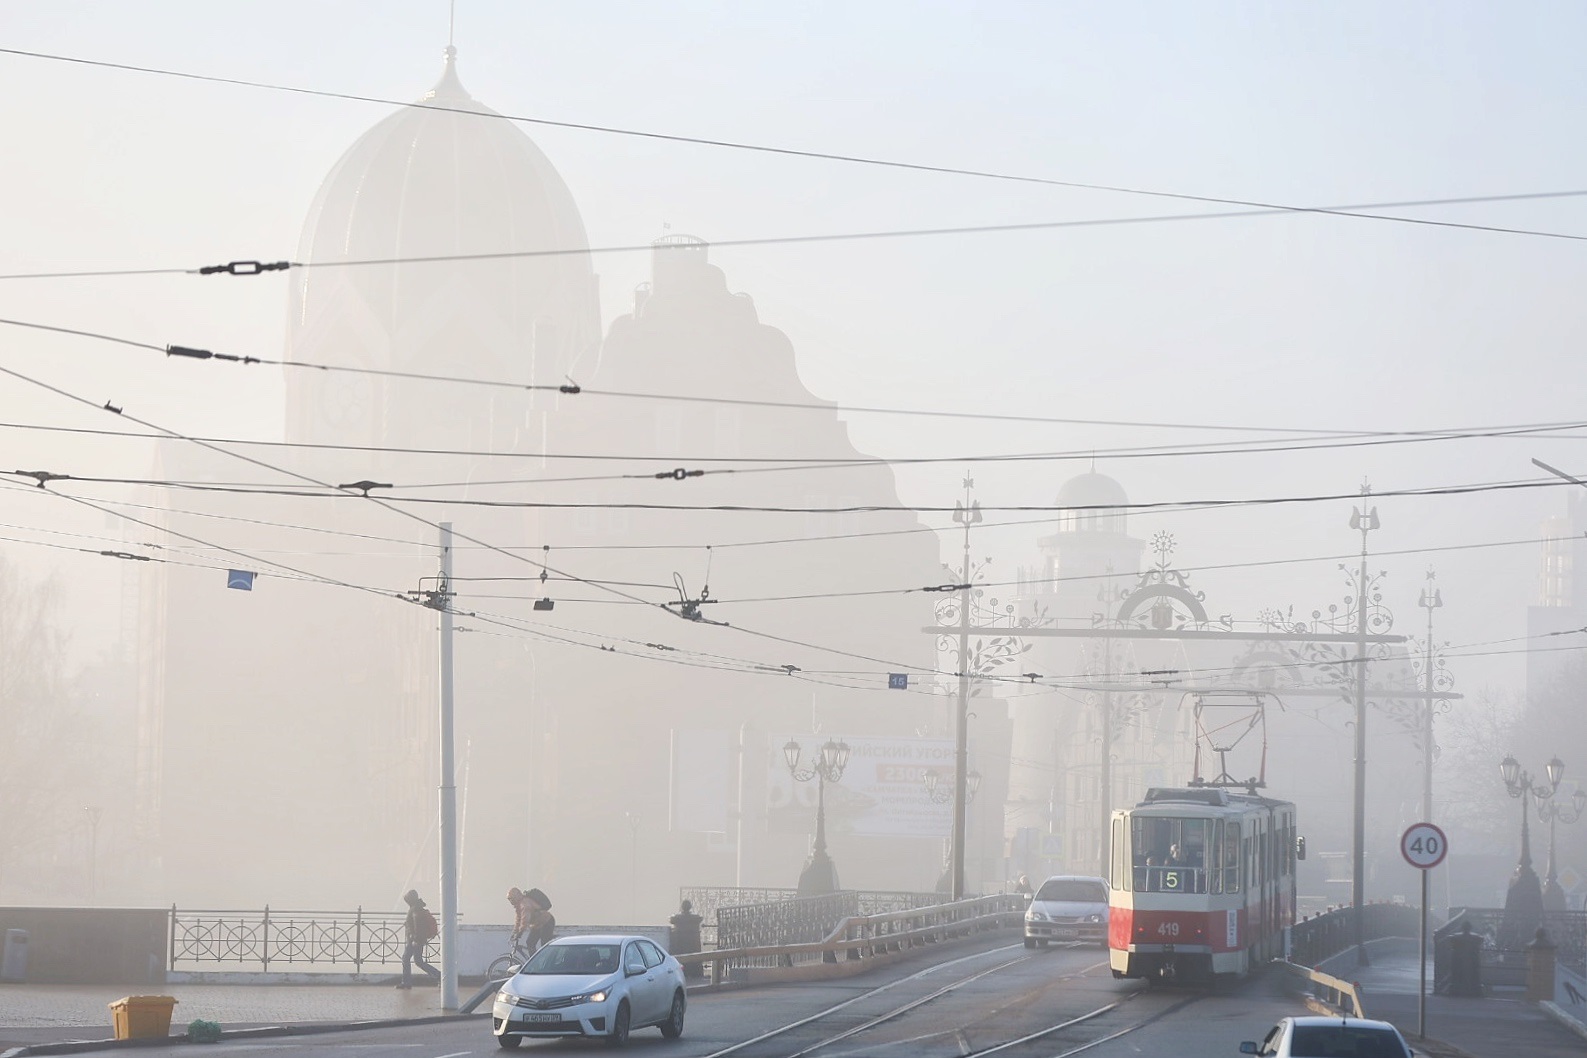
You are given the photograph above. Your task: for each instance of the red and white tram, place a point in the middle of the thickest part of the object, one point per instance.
(1201, 882)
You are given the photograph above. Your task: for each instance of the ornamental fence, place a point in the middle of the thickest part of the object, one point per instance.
(318, 940)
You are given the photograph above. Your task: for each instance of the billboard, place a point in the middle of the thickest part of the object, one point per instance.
(882, 792)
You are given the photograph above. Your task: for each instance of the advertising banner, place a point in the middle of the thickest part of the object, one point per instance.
(882, 793)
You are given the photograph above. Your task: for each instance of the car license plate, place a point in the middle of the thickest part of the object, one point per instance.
(1066, 932)
(542, 1018)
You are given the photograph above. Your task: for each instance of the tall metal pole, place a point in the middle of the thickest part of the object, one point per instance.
(448, 787)
(1366, 522)
(1430, 600)
(967, 515)
(1105, 794)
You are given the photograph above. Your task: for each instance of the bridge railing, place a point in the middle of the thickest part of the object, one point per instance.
(1502, 959)
(741, 916)
(860, 937)
(267, 938)
(1322, 936)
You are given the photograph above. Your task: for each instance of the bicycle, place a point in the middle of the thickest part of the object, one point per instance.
(506, 965)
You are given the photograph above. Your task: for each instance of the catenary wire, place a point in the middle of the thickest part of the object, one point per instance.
(789, 152)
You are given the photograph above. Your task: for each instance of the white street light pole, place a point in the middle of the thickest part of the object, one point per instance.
(448, 785)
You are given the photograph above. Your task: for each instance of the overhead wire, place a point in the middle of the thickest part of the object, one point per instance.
(793, 152)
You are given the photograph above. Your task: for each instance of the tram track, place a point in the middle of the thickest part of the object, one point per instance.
(785, 1041)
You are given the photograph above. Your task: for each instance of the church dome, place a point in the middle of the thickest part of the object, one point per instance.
(1095, 504)
(445, 176)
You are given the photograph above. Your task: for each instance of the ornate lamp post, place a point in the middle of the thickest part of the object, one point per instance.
(1430, 599)
(1567, 812)
(1523, 901)
(966, 514)
(939, 794)
(820, 875)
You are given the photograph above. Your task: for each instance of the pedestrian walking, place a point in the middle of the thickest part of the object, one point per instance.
(418, 929)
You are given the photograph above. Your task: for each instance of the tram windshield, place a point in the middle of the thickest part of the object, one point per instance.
(1171, 854)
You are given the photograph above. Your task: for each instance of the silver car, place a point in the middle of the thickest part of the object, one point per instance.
(602, 986)
(1068, 907)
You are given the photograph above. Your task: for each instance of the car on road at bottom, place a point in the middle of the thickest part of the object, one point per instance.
(601, 986)
(1068, 907)
(1330, 1037)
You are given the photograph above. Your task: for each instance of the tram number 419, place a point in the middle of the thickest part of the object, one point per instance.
(1168, 929)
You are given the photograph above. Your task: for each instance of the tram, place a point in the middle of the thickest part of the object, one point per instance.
(1201, 882)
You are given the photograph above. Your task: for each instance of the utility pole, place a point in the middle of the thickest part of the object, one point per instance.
(1365, 522)
(442, 600)
(966, 514)
(1430, 600)
(1105, 794)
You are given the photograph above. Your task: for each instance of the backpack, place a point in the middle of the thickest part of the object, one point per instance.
(428, 926)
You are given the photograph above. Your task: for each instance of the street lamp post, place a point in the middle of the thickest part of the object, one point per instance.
(1366, 521)
(820, 874)
(1523, 900)
(1551, 811)
(940, 794)
(1430, 599)
(966, 514)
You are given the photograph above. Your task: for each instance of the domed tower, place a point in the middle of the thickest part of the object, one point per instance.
(1092, 542)
(1084, 565)
(446, 176)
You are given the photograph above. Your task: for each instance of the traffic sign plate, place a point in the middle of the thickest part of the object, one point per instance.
(1423, 845)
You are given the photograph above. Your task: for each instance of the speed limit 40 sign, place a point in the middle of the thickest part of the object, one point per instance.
(1423, 845)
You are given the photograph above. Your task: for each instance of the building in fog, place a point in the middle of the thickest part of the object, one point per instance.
(1561, 593)
(608, 749)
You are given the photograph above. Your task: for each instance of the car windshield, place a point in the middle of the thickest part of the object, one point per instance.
(1073, 890)
(573, 959)
(1345, 1041)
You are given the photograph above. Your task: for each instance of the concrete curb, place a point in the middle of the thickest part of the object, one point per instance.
(262, 1032)
(1564, 1017)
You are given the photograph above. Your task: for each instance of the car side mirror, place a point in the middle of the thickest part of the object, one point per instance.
(633, 971)
(1248, 1047)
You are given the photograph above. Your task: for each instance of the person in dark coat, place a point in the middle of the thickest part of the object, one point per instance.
(415, 934)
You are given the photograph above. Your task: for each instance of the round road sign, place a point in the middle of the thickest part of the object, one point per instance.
(1423, 845)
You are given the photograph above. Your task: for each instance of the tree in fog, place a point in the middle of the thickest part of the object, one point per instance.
(36, 727)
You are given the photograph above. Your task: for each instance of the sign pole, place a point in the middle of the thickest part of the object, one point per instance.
(1421, 993)
(1424, 847)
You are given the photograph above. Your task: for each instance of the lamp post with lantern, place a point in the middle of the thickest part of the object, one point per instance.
(1523, 900)
(1551, 811)
(820, 875)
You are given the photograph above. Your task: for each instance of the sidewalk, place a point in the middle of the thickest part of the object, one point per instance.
(31, 1014)
(1499, 1026)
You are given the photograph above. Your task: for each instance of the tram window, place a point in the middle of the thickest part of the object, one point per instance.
(1169, 854)
(1121, 863)
(1231, 857)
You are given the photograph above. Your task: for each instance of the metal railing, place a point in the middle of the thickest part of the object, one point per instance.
(358, 940)
(1323, 936)
(802, 920)
(860, 937)
(1502, 960)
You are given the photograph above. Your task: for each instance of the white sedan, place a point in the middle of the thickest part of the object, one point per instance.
(602, 986)
(1322, 1037)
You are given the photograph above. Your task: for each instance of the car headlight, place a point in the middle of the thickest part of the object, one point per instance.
(591, 997)
(1035, 916)
(505, 996)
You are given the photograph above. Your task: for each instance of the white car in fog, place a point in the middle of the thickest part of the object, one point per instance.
(1068, 907)
(603, 986)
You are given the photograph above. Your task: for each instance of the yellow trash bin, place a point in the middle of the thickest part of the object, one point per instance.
(142, 1017)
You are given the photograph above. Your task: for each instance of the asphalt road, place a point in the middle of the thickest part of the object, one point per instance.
(991, 997)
